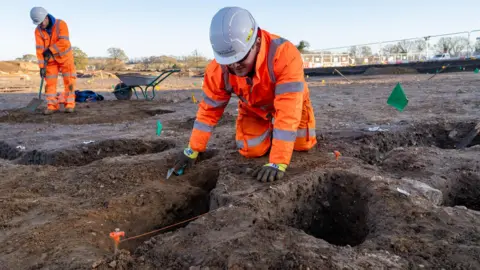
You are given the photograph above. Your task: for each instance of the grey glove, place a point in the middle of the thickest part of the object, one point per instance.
(270, 172)
(43, 72)
(186, 159)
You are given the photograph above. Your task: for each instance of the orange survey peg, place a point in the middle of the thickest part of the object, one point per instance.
(337, 154)
(116, 237)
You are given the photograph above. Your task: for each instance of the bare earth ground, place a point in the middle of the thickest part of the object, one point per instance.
(400, 197)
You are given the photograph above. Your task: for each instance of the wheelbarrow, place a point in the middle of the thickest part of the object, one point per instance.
(131, 82)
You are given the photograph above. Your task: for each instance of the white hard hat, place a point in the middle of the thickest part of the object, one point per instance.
(233, 31)
(38, 14)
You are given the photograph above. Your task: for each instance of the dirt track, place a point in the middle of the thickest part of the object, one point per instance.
(400, 198)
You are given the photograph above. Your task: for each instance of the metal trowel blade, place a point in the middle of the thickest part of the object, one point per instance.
(169, 173)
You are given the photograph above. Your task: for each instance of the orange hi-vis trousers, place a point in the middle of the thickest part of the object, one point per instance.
(254, 133)
(69, 78)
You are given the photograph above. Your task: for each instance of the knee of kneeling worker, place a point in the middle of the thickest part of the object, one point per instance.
(304, 145)
(253, 152)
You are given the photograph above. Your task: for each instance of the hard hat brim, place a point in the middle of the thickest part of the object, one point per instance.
(231, 59)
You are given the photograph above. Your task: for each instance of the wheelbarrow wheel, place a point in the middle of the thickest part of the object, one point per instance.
(124, 94)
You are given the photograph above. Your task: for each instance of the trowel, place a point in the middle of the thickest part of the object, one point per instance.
(172, 171)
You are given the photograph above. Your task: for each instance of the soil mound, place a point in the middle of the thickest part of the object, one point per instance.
(390, 71)
(15, 67)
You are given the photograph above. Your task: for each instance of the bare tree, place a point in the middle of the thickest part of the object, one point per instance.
(477, 46)
(452, 45)
(419, 45)
(458, 45)
(404, 46)
(353, 52)
(196, 57)
(365, 51)
(390, 49)
(444, 44)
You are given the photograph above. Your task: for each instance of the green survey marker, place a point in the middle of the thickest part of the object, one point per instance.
(476, 70)
(159, 127)
(397, 98)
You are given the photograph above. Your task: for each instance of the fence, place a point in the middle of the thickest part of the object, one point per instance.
(459, 45)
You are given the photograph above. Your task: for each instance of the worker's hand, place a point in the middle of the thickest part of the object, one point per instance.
(186, 159)
(47, 54)
(270, 172)
(43, 72)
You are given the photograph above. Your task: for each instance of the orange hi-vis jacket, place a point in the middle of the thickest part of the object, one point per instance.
(58, 43)
(278, 90)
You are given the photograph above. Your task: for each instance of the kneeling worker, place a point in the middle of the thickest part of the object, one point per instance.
(54, 54)
(266, 72)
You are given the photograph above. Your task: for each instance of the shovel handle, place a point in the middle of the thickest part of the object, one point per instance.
(40, 90)
(42, 78)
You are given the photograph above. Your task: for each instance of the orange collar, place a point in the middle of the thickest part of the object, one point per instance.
(262, 54)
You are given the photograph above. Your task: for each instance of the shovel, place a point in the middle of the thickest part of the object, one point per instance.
(35, 102)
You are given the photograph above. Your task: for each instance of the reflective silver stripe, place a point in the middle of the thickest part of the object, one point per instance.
(69, 75)
(214, 103)
(41, 61)
(50, 95)
(57, 27)
(284, 135)
(65, 52)
(70, 99)
(255, 141)
(290, 87)
(40, 47)
(63, 37)
(56, 48)
(202, 126)
(51, 76)
(271, 54)
(302, 132)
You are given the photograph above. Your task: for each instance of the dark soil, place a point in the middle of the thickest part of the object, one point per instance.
(401, 196)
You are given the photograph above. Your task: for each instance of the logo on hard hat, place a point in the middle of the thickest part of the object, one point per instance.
(228, 51)
(250, 34)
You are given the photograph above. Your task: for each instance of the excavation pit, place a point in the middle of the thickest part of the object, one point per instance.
(8, 152)
(87, 153)
(337, 211)
(157, 112)
(373, 146)
(465, 191)
(169, 216)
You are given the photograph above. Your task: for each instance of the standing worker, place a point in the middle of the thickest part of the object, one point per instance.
(266, 72)
(54, 54)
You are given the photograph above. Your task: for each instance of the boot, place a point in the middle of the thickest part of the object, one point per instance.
(69, 110)
(48, 111)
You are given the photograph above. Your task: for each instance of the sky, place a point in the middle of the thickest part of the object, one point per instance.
(146, 28)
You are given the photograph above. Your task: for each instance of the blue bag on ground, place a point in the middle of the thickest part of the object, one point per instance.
(87, 96)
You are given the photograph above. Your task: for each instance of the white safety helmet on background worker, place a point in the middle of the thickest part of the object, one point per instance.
(232, 34)
(38, 14)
